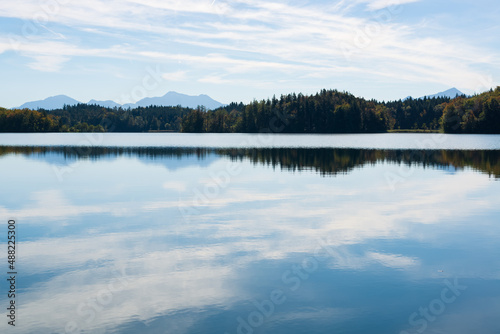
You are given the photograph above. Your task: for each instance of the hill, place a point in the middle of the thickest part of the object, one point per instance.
(53, 102)
(450, 93)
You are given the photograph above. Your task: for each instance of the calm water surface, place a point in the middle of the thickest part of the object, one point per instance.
(174, 233)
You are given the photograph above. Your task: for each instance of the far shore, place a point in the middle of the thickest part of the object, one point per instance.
(413, 131)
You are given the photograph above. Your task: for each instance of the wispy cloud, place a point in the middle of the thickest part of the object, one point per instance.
(252, 39)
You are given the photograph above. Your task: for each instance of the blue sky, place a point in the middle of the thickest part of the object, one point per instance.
(239, 50)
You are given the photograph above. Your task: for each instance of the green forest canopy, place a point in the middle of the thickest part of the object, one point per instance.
(328, 111)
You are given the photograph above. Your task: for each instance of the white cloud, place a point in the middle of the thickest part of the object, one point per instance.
(381, 4)
(48, 63)
(175, 76)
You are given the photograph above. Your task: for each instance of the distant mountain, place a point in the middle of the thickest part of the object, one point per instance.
(169, 99)
(53, 102)
(106, 104)
(451, 93)
(174, 99)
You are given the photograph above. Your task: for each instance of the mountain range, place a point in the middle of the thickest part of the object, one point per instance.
(169, 99)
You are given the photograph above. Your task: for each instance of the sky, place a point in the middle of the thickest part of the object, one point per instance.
(240, 50)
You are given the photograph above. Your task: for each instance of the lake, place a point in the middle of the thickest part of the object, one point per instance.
(235, 233)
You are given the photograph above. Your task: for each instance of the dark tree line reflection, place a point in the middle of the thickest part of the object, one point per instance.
(325, 161)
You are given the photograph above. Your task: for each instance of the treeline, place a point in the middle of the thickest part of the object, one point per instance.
(331, 111)
(93, 118)
(142, 119)
(478, 114)
(328, 111)
(26, 120)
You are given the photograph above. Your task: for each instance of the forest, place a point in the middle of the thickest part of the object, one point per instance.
(328, 111)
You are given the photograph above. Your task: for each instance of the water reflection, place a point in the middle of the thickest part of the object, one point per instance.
(142, 239)
(326, 161)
